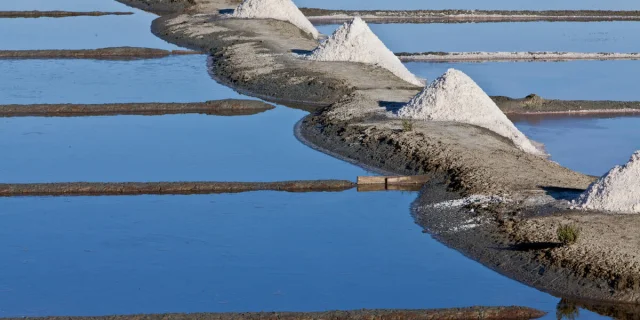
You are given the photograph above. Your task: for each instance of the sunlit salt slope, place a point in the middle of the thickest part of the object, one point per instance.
(354, 41)
(456, 97)
(284, 10)
(618, 191)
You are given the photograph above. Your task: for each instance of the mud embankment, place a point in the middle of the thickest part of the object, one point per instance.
(328, 16)
(536, 105)
(480, 313)
(114, 53)
(513, 56)
(139, 188)
(229, 107)
(58, 14)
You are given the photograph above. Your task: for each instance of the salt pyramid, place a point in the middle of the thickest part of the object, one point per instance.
(617, 191)
(284, 10)
(456, 97)
(354, 41)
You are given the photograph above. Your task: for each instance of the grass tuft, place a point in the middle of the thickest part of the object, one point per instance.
(568, 234)
(407, 125)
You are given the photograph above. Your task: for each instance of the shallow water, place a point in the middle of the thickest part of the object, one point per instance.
(163, 148)
(473, 4)
(578, 143)
(171, 79)
(67, 5)
(515, 36)
(78, 32)
(241, 252)
(579, 80)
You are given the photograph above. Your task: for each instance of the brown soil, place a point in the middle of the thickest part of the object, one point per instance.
(57, 14)
(116, 53)
(229, 107)
(137, 188)
(486, 313)
(534, 104)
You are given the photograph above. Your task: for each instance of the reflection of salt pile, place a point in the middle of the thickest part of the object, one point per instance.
(617, 191)
(284, 10)
(355, 42)
(456, 97)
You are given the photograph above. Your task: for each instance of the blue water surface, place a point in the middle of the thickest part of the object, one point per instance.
(238, 252)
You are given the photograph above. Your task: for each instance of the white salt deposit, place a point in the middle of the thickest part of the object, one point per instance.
(618, 191)
(456, 97)
(354, 41)
(519, 56)
(284, 10)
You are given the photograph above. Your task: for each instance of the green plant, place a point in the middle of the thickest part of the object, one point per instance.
(568, 234)
(407, 125)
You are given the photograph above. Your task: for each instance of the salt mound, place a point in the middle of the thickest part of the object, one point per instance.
(456, 97)
(284, 10)
(354, 41)
(617, 191)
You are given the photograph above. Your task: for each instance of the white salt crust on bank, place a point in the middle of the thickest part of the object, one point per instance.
(617, 192)
(456, 97)
(284, 10)
(354, 41)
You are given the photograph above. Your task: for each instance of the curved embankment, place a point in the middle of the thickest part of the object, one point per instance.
(512, 56)
(255, 56)
(139, 188)
(480, 313)
(114, 53)
(58, 14)
(328, 16)
(228, 107)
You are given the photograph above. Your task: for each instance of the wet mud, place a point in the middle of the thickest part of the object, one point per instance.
(114, 53)
(481, 313)
(229, 107)
(139, 188)
(58, 14)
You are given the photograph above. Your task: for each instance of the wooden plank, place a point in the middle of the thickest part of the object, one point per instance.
(371, 180)
(407, 180)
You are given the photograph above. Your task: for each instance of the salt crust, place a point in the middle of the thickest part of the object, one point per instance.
(354, 41)
(618, 191)
(456, 97)
(284, 10)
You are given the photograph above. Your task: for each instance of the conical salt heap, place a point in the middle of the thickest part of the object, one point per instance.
(618, 191)
(456, 97)
(284, 10)
(354, 41)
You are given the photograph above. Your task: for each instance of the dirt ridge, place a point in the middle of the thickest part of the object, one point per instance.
(227, 107)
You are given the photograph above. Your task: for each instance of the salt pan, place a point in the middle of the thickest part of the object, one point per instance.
(456, 97)
(618, 191)
(284, 10)
(354, 41)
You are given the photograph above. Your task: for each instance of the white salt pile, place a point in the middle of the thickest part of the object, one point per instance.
(456, 97)
(354, 41)
(284, 10)
(618, 191)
